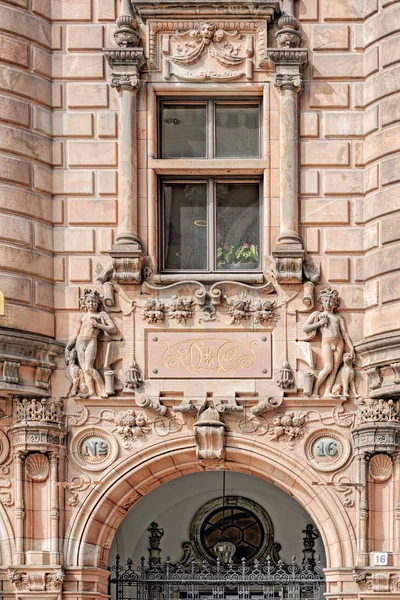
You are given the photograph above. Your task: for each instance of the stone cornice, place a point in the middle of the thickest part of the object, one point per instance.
(163, 8)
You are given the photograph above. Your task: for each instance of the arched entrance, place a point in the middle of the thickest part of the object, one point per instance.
(91, 532)
(204, 545)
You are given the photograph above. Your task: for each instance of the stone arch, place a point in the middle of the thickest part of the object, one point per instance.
(91, 531)
(7, 540)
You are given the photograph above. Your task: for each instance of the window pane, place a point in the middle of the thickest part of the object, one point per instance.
(238, 226)
(183, 131)
(185, 226)
(237, 130)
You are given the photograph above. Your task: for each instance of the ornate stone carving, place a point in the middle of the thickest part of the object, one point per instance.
(265, 312)
(27, 350)
(239, 308)
(36, 581)
(294, 82)
(209, 435)
(375, 377)
(125, 66)
(42, 377)
(289, 269)
(211, 46)
(181, 309)
(381, 467)
(378, 581)
(37, 467)
(76, 379)
(345, 379)
(286, 377)
(48, 410)
(287, 57)
(133, 378)
(396, 372)
(334, 337)
(11, 371)
(381, 411)
(127, 33)
(288, 36)
(85, 339)
(153, 310)
(127, 269)
(130, 426)
(233, 45)
(152, 404)
(265, 405)
(288, 426)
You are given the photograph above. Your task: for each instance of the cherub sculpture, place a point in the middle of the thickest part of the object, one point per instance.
(334, 335)
(85, 339)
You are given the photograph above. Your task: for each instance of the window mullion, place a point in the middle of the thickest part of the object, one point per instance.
(210, 129)
(211, 230)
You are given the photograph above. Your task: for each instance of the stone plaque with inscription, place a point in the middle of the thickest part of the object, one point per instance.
(205, 354)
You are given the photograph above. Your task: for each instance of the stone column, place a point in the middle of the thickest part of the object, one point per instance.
(19, 459)
(125, 63)
(289, 86)
(54, 510)
(363, 513)
(289, 60)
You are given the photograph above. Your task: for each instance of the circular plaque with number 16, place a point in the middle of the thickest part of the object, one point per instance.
(327, 450)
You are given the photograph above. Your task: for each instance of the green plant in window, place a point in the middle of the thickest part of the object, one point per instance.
(246, 253)
(225, 255)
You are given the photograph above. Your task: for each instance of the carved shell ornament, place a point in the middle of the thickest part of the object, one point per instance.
(381, 467)
(37, 467)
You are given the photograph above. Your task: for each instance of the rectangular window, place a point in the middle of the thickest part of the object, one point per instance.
(210, 129)
(210, 225)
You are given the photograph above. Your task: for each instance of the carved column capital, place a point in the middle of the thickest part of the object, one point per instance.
(125, 66)
(288, 81)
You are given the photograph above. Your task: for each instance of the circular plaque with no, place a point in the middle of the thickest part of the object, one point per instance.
(94, 449)
(327, 450)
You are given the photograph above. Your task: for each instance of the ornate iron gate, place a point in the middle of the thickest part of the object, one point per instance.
(192, 579)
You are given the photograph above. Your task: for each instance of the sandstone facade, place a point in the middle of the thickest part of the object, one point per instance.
(175, 352)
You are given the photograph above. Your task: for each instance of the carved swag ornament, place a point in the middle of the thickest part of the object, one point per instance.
(209, 46)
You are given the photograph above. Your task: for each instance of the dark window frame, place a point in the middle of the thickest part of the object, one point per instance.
(211, 187)
(211, 137)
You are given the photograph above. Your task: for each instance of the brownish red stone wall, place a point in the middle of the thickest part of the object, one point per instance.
(26, 158)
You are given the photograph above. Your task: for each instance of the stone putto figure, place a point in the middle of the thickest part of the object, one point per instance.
(85, 339)
(334, 335)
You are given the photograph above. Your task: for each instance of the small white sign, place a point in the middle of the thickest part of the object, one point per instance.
(380, 559)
